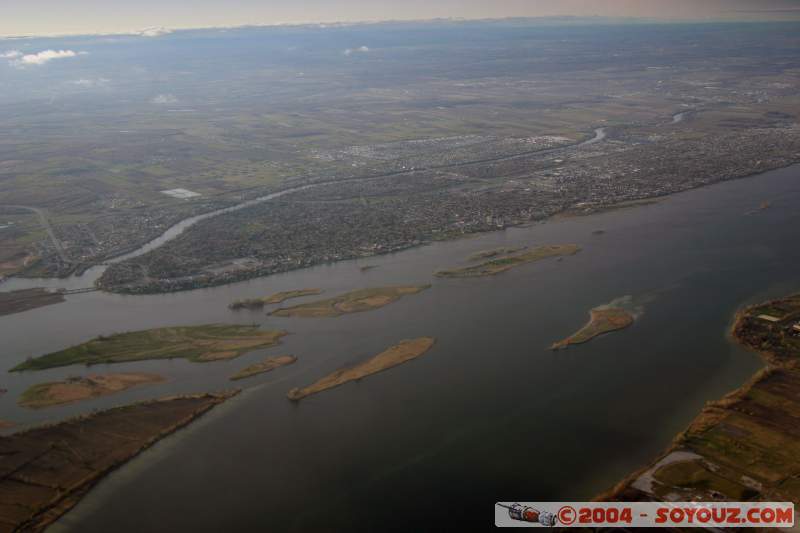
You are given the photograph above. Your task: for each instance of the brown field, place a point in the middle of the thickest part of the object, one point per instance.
(45, 471)
(396, 355)
(76, 389)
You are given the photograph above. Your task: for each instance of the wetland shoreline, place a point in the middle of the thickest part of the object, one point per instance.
(743, 446)
(34, 497)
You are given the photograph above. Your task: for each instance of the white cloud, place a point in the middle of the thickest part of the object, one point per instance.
(43, 57)
(154, 32)
(163, 99)
(11, 54)
(360, 49)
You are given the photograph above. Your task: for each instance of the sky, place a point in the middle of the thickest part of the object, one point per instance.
(49, 17)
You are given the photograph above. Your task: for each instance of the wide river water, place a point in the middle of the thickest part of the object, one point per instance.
(489, 414)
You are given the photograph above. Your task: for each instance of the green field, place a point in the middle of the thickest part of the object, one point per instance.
(206, 343)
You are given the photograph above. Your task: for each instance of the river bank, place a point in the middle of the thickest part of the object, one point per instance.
(745, 446)
(487, 384)
(47, 470)
(92, 275)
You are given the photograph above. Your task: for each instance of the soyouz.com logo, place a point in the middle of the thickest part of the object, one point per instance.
(644, 514)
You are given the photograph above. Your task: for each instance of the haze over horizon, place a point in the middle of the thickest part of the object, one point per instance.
(48, 17)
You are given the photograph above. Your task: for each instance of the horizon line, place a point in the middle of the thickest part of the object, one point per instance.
(140, 32)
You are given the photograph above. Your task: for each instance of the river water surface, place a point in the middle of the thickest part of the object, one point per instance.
(489, 414)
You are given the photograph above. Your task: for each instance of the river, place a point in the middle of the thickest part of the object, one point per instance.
(489, 414)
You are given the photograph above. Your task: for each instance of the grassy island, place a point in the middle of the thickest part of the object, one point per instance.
(277, 298)
(490, 254)
(396, 355)
(498, 265)
(45, 471)
(267, 365)
(201, 344)
(26, 299)
(73, 390)
(352, 302)
(745, 447)
(603, 320)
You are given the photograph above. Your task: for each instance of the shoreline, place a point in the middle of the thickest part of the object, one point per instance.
(45, 513)
(567, 212)
(722, 465)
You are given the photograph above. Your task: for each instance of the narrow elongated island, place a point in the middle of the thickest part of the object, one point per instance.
(603, 320)
(267, 365)
(27, 299)
(277, 298)
(45, 471)
(199, 344)
(746, 446)
(498, 265)
(73, 390)
(396, 355)
(356, 301)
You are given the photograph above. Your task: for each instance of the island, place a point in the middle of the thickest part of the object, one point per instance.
(489, 254)
(277, 298)
(603, 320)
(45, 471)
(396, 355)
(352, 302)
(75, 389)
(763, 206)
(267, 365)
(499, 265)
(746, 446)
(200, 344)
(27, 299)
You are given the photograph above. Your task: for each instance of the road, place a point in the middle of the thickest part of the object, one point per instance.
(42, 214)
